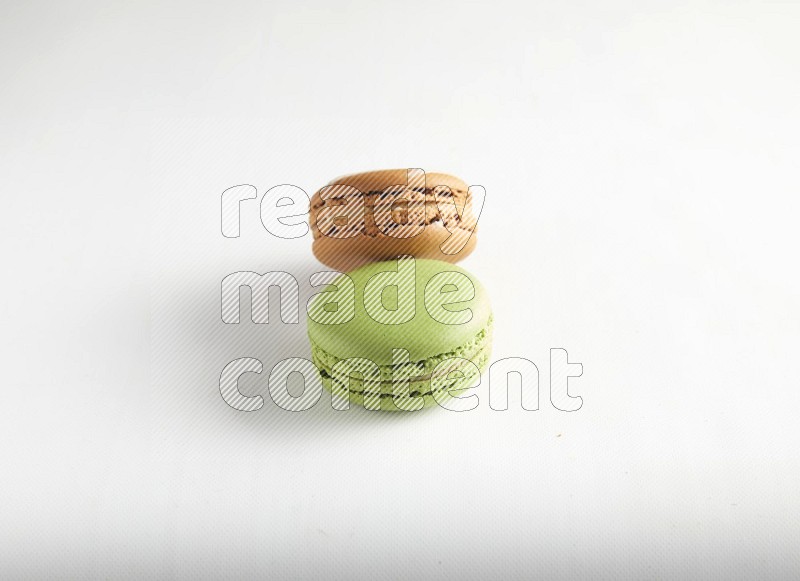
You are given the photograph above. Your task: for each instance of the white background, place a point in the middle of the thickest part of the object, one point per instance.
(640, 162)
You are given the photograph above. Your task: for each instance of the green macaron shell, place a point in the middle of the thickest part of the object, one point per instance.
(430, 335)
(423, 336)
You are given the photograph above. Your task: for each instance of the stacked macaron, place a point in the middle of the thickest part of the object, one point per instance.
(402, 327)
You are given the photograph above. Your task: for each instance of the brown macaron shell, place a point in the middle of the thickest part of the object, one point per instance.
(420, 230)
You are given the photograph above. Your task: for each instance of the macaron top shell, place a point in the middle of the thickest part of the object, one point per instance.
(379, 179)
(379, 215)
(425, 334)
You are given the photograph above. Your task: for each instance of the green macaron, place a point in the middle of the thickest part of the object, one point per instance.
(400, 335)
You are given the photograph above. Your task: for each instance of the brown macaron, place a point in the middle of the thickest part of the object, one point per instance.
(380, 215)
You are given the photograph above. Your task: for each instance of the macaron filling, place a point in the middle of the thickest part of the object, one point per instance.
(425, 198)
(477, 350)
